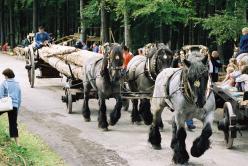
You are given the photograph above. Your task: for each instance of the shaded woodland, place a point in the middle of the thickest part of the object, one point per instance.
(214, 23)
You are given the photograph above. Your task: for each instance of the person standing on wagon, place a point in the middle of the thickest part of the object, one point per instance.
(12, 88)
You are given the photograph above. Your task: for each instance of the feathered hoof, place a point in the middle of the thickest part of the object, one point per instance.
(199, 149)
(138, 123)
(180, 157)
(111, 123)
(87, 119)
(157, 147)
(105, 129)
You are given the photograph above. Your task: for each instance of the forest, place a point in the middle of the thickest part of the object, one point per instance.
(214, 23)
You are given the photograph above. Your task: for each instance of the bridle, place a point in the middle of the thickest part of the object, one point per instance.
(187, 88)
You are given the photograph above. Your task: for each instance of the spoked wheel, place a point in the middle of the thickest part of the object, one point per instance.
(68, 96)
(228, 125)
(30, 66)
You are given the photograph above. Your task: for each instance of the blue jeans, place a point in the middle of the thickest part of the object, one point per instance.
(189, 122)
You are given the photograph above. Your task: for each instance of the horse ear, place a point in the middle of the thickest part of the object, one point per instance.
(205, 60)
(186, 62)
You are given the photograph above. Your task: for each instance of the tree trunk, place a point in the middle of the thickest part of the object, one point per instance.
(35, 16)
(161, 32)
(127, 36)
(11, 23)
(104, 30)
(2, 28)
(82, 25)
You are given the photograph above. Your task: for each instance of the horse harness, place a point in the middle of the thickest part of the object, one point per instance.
(184, 87)
(148, 70)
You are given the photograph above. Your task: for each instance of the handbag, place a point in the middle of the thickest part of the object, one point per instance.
(6, 103)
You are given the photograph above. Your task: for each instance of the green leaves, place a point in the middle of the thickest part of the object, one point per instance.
(167, 10)
(91, 13)
(223, 27)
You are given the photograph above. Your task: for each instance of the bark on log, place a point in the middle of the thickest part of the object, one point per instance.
(60, 56)
(66, 53)
(63, 68)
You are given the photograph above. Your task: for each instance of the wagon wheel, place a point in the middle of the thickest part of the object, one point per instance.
(229, 119)
(31, 68)
(68, 96)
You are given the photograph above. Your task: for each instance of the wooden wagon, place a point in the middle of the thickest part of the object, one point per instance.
(235, 113)
(74, 84)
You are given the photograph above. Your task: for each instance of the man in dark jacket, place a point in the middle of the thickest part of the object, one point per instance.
(214, 66)
(243, 44)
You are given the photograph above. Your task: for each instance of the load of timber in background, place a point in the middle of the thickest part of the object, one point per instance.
(60, 56)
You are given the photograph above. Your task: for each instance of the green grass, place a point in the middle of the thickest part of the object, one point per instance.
(31, 152)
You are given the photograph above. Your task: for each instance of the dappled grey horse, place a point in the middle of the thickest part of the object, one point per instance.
(187, 91)
(106, 85)
(142, 72)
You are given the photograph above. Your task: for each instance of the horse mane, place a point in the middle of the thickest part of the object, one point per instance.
(195, 56)
(152, 48)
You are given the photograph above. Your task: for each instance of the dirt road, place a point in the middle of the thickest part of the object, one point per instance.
(81, 143)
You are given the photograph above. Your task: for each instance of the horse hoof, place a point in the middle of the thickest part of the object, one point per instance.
(111, 123)
(87, 119)
(105, 129)
(138, 123)
(157, 147)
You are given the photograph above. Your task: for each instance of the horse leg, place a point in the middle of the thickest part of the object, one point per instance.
(102, 118)
(202, 143)
(125, 104)
(145, 111)
(154, 134)
(116, 113)
(180, 155)
(174, 133)
(86, 109)
(135, 113)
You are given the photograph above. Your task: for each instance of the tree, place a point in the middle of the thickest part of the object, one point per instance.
(11, 23)
(82, 23)
(104, 29)
(35, 15)
(2, 29)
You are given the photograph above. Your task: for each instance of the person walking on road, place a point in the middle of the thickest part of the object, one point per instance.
(11, 87)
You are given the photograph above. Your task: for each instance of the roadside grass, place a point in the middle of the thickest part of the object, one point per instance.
(31, 152)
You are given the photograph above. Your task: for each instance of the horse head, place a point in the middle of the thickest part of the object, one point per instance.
(160, 57)
(115, 53)
(196, 73)
(163, 56)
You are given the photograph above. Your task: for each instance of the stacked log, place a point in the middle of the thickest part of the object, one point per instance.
(60, 56)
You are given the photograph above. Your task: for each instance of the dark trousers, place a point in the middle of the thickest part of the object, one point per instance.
(214, 77)
(12, 115)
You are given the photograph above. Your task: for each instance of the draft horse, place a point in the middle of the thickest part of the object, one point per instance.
(106, 85)
(186, 91)
(142, 72)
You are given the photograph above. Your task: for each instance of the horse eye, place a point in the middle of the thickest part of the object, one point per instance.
(165, 56)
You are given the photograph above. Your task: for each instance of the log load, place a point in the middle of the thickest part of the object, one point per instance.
(60, 56)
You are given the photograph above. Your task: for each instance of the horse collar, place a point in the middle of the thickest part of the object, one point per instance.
(186, 89)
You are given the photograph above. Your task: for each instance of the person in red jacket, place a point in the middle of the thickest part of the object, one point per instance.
(127, 56)
(5, 47)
